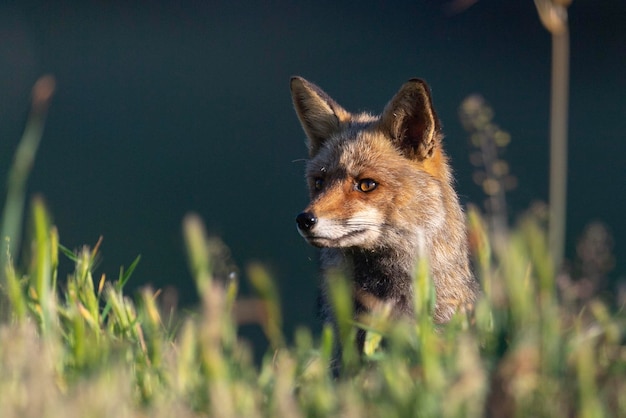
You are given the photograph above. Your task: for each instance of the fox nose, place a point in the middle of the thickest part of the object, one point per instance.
(306, 221)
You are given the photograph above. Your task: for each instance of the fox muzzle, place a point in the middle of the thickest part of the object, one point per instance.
(306, 221)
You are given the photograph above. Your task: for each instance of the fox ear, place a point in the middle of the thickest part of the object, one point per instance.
(410, 119)
(320, 116)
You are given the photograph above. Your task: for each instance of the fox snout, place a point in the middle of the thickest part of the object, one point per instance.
(361, 229)
(306, 221)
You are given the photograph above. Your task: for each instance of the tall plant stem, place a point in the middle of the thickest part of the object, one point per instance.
(553, 15)
(558, 144)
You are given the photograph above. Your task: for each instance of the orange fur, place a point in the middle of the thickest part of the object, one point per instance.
(437, 166)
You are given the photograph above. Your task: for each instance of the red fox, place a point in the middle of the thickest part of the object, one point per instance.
(382, 196)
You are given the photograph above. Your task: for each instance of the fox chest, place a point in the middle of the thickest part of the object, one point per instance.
(376, 280)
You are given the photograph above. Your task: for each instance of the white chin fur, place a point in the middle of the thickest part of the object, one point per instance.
(361, 230)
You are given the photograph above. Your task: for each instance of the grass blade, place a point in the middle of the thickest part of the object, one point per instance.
(12, 215)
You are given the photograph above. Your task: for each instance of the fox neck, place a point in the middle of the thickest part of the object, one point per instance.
(379, 277)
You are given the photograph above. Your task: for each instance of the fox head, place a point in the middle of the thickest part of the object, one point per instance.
(374, 181)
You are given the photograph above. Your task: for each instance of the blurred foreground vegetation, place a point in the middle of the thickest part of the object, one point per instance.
(84, 348)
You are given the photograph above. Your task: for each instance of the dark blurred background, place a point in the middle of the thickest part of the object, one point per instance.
(165, 107)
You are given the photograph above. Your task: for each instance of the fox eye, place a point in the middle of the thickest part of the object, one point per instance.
(367, 185)
(318, 184)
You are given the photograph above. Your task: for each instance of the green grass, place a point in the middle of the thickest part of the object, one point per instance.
(80, 346)
(88, 349)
